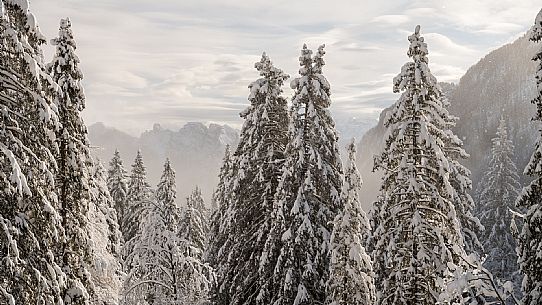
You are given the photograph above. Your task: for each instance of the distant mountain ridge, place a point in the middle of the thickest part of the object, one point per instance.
(195, 151)
(501, 83)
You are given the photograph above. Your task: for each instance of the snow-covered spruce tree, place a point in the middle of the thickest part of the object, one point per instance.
(74, 167)
(497, 194)
(350, 270)
(218, 231)
(139, 192)
(196, 198)
(106, 241)
(530, 239)
(196, 276)
(255, 175)
(30, 222)
(308, 195)
(159, 259)
(418, 236)
(193, 226)
(118, 187)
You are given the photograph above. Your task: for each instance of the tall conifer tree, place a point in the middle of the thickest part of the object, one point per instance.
(256, 171)
(308, 195)
(418, 234)
(497, 194)
(530, 240)
(74, 166)
(138, 195)
(30, 221)
(118, 187)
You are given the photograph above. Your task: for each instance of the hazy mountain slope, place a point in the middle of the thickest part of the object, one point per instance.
(195, 152)
(500, 83)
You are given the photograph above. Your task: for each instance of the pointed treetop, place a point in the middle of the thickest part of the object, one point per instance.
(352, 176)
(418, 48)
(268, 71)
(351, 148)
(65, 23)
(305, 61)
(166, 191)
(227, 152)
(65, 34)
(319, 59)
(167, 165)
(139, 156)
(264, 64)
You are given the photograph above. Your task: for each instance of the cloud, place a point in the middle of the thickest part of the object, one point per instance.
(390, 20)
(173, 61)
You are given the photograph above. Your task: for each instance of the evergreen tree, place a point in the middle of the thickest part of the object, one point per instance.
(118, 187)
(197, 276)
(106, 241)
(530, 240)
(218, 230)
(496, 196)
(74, 164)
(197, 201)
(30, 221)
(418, 236)
(308, 195)
(255, 174)
(138, 195)
(193, 226)
(351, 271)
(162, 257)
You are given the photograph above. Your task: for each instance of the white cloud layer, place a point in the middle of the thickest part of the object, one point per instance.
(172, 61)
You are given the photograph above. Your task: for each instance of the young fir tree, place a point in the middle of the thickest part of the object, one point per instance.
(162, 257)
(193, 225)
(308, 195)
(118, 187)
(197, 276)
(350, 270)
(497, 193)
(74, 166)
(256, 172)
(30, 222)
(196, 198)
(138, 195)
(106, 241)
(530, 239)
(218, 230)
(418, 236)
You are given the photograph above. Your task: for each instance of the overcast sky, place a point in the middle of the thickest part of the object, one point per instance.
(174, 61)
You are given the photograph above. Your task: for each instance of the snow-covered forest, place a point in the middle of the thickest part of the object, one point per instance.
(288, 222)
